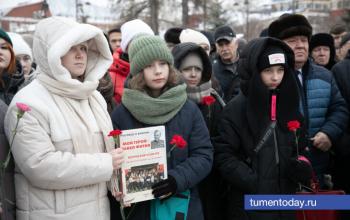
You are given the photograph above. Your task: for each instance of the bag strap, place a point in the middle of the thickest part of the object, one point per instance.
(267, 134)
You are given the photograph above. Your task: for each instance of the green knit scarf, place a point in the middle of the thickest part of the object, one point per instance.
(155, 111)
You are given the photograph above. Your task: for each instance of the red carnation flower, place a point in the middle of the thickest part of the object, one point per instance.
(208, 100)
(178, 141)
(293, 125)
(115, 133)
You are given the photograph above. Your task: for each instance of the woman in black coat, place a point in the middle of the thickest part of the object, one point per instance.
(194, 65)
(269, 99)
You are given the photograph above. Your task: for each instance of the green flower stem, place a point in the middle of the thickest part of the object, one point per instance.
(296, 142)
(171, 149)
(7, 160)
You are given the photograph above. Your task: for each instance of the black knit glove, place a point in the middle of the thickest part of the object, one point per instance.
(165, 188)
(299, 171)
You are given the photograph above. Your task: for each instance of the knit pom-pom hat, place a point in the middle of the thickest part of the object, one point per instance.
(145, 49)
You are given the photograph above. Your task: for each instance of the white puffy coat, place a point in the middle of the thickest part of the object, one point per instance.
(51, 181)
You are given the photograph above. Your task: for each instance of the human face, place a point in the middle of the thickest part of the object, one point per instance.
(26, 63)
(272, 76)
(75, 60)
(321, 55)
(344, 50)
(300, 46)
(227, 50)
(337, 38)
(5, 55)
(192, 75)
(156, 76)
(157, 135)
(115, 38)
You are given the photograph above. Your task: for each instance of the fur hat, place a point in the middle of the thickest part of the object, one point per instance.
(172, 35)
(5, 36)
(289, 25)
(20, 46)
(132, 28)
(144, 49)
(321, 39)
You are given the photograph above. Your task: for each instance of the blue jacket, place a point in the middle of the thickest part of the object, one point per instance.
(325, 106)
(324, 109)
(188, 167)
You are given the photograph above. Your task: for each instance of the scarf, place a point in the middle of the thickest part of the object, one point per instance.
(197, 93)
(68, 95)
(155, 111)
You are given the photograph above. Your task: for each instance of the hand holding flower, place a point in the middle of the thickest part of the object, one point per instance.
(117, 158)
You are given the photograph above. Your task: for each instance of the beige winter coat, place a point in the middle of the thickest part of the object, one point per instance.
(51, 180)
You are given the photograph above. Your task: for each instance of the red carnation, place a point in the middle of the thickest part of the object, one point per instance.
(178, 141)
(208, 100)
(293, 125)
(115, 133)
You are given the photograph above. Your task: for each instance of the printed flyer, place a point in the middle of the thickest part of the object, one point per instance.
(145, 162)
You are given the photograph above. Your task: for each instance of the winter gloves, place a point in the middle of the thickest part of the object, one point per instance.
(165, 188)
(299, 171)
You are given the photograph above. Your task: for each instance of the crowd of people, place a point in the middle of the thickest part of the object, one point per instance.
(231, 100)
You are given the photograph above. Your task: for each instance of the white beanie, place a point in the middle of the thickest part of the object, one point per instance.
(19, 45)
(189, 35)
(132, 28)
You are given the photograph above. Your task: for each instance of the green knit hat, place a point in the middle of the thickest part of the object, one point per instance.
(5, 36)
(144, 49)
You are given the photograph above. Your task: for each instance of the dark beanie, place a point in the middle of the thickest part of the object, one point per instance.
(289, 25)
(271, 56)
(321, 39)
(172, 35)
(5, 36)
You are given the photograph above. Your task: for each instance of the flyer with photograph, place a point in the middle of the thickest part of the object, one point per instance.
(145, 162)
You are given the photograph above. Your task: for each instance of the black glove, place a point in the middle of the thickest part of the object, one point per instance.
(299, 171)
(165, 188)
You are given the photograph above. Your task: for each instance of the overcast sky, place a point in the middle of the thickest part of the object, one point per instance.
(10, 3)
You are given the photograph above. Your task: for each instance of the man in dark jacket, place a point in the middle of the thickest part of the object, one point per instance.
(225, 64)
(322, 104)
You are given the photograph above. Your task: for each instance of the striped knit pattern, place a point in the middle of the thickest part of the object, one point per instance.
(145, 49)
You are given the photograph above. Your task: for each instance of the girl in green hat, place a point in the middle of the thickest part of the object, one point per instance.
(155, 97)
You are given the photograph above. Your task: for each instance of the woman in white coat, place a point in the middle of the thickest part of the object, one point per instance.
(63, 156)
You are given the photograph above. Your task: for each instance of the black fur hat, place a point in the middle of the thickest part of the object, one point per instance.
(321, 39)
(172, 35)
(289, 25)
